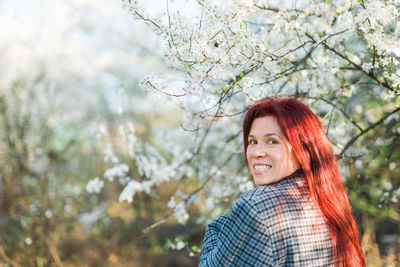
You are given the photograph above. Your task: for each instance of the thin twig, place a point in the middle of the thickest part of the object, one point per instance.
(333, 110)
(339, 109)
(370, 74)
(165, 93)
(149, 20)
(147, 230)
(354, 139)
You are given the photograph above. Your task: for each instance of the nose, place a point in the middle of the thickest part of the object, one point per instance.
(259, 152)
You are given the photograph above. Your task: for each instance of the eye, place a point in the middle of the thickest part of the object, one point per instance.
(252, 142)
(272, 142)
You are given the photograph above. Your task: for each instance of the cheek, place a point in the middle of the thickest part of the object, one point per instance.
(248, 154)
(295, 161)
(291, 159)
(279, 155)
(284, 156)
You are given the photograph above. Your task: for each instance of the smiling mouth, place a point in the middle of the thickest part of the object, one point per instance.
(262, 167)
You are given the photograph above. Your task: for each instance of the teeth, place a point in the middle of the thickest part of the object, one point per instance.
(262, 167)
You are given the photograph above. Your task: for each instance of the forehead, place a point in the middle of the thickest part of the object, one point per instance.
(265, 125)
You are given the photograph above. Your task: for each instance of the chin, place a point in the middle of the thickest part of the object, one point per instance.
(261, 181)
(266, 180)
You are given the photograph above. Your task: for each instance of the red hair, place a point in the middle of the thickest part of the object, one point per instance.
(314, 152)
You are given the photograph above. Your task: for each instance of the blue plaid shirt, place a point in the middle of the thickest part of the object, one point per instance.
(272, 225)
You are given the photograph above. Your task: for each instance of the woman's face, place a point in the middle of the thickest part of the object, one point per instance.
(269, 154)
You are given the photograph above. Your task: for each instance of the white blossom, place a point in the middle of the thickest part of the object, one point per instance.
(94, 186)
(109, 154)
(89, 218)
(48, 214)
(180, 245)
(130, 190)
(119, 170)
(28, 241)
(171, 203)
(367, 66)
(392, 165)
(180, 213)
(177, 245)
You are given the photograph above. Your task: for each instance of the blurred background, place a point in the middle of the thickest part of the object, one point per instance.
(69, 70)
(69, 78)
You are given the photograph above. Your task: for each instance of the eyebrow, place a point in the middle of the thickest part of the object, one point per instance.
(266, 135)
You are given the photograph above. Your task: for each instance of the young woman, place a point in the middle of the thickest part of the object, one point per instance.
(299, 213)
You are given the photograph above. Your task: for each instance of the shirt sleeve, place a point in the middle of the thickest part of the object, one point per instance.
(237, 239)
(212, 231)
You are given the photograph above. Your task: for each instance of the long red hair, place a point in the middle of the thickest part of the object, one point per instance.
(313, 150)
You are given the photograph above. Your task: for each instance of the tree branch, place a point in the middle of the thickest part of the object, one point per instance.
(147, 230)
(147, 19)
(370, 74)
(165, 93)
(339, 109)
(354, 139)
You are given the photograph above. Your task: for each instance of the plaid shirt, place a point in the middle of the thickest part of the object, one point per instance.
(272, 225)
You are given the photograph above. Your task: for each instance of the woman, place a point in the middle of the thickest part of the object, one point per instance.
(299, 215)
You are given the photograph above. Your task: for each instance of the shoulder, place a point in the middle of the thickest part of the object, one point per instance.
(266, 194)
(258, 194)
(245, 217)
(268, 199)
(293, 184)
(257, 204)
